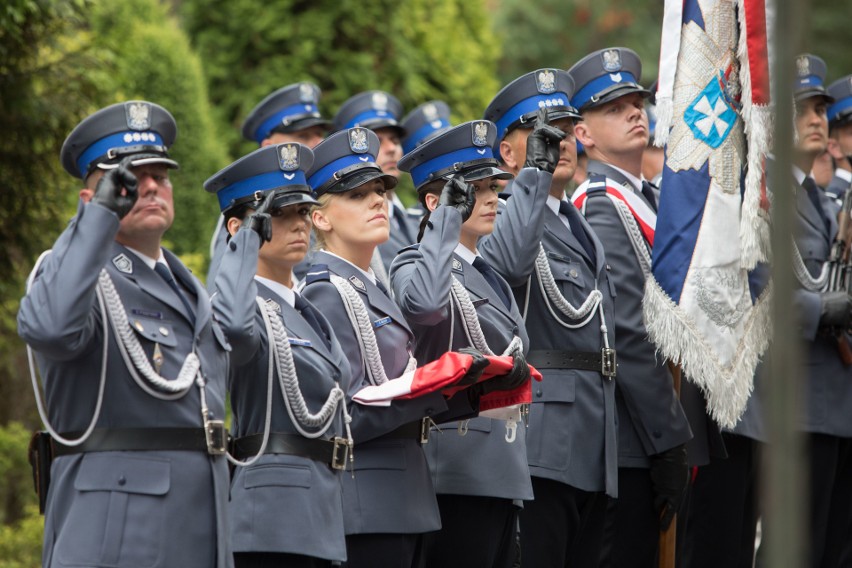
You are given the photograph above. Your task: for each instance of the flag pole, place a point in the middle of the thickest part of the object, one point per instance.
(784, 474)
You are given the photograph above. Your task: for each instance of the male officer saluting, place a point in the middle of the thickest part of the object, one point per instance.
(290, 114)
(380, 112)
(133, 365)
(556, 267)
(621, 208)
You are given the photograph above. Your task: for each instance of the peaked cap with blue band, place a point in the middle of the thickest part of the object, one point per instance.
(346, 160)
(840, 113)
(291, 108)
(605, 75)
(466, 149)
(423, 123)
(140, 129)
(516, 105)
(279, 168)
(810, 78)
(370, 109)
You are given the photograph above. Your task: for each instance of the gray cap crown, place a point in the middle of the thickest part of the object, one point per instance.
(291, 108)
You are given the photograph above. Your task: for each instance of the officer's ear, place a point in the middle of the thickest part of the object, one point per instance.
(320, 221)
(508, 153)
(582, 134)
(431, 201)
(234, 224)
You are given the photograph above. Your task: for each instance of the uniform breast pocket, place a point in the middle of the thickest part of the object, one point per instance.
(153, 330)
(569, 277)
(549, 437)
(117, 516)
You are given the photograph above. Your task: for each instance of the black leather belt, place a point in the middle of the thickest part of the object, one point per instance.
(602, 361)
(332, 452)
(418, 431)
(135, 439)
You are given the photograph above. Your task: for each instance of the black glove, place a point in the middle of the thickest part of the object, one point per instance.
(543, 144)
(108, 191)
(515, 378)
(669, 476)
(260, 221)
(476, 368)
(460, 195)
(835, 310)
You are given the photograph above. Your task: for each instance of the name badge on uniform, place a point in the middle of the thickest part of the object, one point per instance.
(146, 313)
(382, 322)
(297, 341)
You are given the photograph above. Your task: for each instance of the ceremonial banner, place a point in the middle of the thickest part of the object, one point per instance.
(710, 227)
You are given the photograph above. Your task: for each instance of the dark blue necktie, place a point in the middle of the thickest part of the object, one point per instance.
(166, 275)
(648, 192)
(570, 212)
(491, 277)
(307, 311)
(812, 190)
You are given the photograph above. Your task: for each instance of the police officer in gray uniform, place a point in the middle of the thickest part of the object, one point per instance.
(289, 114)
(390, 501)
(840, 137)
(652, 426)
(452, 300)
(381, 112)
(556, 266)
(133, 364)
(824, 318)
(286, 505)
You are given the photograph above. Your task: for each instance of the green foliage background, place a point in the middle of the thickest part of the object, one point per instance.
(209, 62)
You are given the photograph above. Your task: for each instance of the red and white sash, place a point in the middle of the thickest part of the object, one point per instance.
(644, 216)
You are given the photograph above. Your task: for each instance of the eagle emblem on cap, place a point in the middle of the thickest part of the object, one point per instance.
(545, 81)
(380, 101)
(288, 157)
(803, 66)
(358, 140)
(138, 115)
(430, 112)
(306, 92)
(611, 60)
(480, 133)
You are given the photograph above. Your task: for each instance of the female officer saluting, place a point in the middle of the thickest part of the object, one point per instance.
(390, 500)
(453, 299)
(286, 506)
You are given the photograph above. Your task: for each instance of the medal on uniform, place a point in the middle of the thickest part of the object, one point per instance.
(157, 358)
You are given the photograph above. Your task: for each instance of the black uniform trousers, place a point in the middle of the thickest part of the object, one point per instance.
(380, 549)
(277, 560)
(563, 526)
(476, 532)
(831, 501)
(632, 525)
(723, 512)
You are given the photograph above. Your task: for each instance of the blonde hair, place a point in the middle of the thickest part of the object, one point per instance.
(319, 235)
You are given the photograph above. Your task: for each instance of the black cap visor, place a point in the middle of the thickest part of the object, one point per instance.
(292, 195)
(351, 180)
(813, 92)
(303, 123)
(614, 92)
(137, 160)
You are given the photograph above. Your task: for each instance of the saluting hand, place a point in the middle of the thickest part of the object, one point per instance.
(261, 221)
(117, 189)
(543, 144)
(460, 195)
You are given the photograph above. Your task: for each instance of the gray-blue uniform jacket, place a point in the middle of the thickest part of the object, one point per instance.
(572, 433)
(403, 233)
(391, 491)
(135, 508)
(480, 463)
(280, 503)
(650, 417)
(828, 398)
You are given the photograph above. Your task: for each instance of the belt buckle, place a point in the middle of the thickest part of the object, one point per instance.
(338, 457)
(216, 437)
(608, 362)
(425, 428)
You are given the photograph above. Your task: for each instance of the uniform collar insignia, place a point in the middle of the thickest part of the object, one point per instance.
(457, 265)
(357, 283)
(123, 263)
(276, 307)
